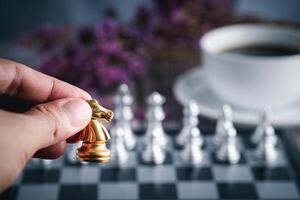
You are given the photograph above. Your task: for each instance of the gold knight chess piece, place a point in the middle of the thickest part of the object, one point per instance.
(94, 136)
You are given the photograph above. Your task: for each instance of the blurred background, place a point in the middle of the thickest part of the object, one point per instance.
(147, 44)
(99, 44)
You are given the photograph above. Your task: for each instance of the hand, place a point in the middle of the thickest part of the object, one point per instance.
(42, 131)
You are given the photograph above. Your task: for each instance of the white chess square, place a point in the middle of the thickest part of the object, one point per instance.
(232, 173)
(38, 191)
(118, 191)
(280, 190)
(153, 174)
(84, 174)
(197, 190)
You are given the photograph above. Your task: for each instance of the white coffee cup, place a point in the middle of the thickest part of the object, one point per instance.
(252, 81)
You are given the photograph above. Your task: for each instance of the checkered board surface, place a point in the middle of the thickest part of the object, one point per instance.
(249, 179)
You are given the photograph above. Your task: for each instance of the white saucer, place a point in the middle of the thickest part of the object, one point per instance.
(193, 85)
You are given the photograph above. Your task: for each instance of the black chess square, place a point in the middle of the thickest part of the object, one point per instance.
(157, 191)
(237, 191)
(248, 144)
(168, 160)
(190, 173)
(215, 160)
(41, 176)
(79, 192)
(205, 145)
(118, 174)
(271, 173)
(177, 146)
(9, 194)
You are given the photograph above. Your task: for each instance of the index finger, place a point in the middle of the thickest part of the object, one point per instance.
(23, 82)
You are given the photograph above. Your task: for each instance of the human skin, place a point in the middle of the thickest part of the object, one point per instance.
(59, 112)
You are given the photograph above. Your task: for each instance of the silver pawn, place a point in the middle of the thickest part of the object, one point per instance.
(263, 122)
(266, 148)
(228, 151)
(225, 120)
(71, 156)
(190, 121)
(155, 115)
(41, 163)
(123, 115)
(118, 150)
(192, 153)
(153, 152)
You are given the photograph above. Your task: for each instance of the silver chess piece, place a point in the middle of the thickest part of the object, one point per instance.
(266, 148)
(190, 121)
(118, 149)
(71, 156)
(155, 115)
(224, 122)
(263, 123)
(192, 152)
(229, 151)
(153, 152)
(41, 163)
(123, 115)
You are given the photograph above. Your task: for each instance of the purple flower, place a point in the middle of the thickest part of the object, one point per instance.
(110, 47)
(106, 30)
(140, 113)
(111, 75)
(102, 56)
(118, 66)
(86, 82)
(54, 65)
(177, 17)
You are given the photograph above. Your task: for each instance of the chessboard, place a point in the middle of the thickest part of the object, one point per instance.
(212, 179)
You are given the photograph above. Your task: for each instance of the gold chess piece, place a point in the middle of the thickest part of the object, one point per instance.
(94, 136)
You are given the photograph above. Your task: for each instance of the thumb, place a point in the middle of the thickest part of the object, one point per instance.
(56, 121)
(44, 125)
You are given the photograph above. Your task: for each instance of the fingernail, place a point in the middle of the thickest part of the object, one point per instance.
(78, 111)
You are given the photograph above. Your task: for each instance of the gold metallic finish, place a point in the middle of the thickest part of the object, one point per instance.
(95, 135)
(93, 152)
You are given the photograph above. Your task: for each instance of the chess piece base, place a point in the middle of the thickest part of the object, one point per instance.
(93, 152)
(232, 157)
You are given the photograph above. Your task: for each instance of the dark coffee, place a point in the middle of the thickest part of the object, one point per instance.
(265, 50)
